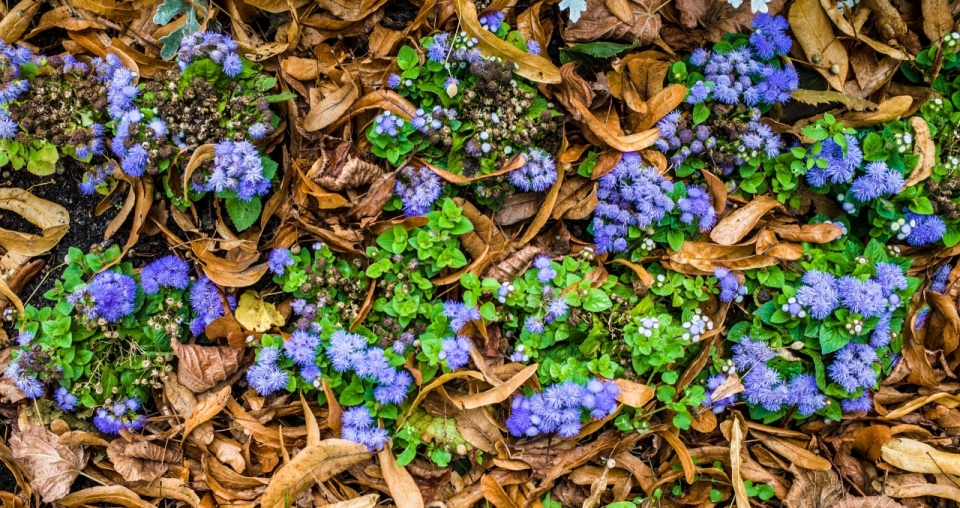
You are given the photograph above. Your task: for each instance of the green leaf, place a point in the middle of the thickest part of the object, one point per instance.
(407, 58)
(700, 113)
(921, 205)
(598, 49)
(675, 239)
(596, 301)
(243, 213)
(42, 160)
(832, 339)
(280, 97)
(682, 420)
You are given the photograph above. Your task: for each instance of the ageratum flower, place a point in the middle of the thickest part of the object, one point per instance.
(217, 47)
(545, 272)
(769, 38)
(533, 324)
(537, 174)
(279, 260)
(764, 387)
(717, 406)
(819, 293)
(119, 416)
(559, 407)
(205, 301)
(533, 47)
(459, 314)
(880, 336)
(630, 195)
(697, 206)
(166, 272)
(301, 347)
(66, 400)
(418, 189)
(879, 181)
(729, 285)
(852, 367)
(265, 376)
(863, 403)
(841, 164)
(492, 21)
(925, 229)
(748, 353)
(237, 167)
(890, 277)
(456, 351)
(861, 297)
(94, 176)
(18, 373)
(395, 392)
(940, 277)
(806, 395)
(358, 427)
(110, 296)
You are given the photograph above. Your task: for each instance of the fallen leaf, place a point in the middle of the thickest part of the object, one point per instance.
(51, 466)
(915, 485)
(599, 22)
(113, 495)
(814, 32)
(333, 106)
(732, 228)
(141, 460)
(632, 393)
(494, 493)
(17, 20)
(871, 440)
(815, 97)
(868, 502)
(205, 410)
(52, 219)
(937, 18)
(890, 109)
(403, 489)
(917, 457)
(813, 489)
(200, 368)
(255, 314)
(499, 393)
(314, 464)
(370, 500)
(736, 462)
(924, 146)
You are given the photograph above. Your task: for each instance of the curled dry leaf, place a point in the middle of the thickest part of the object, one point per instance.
(813, 489)
(533, 67)
(814, 32)
(917, 457)
(333, 106)
(314, 464)
(18, 19)
(868, 502)
(52, 219)
(341, 166)
(624, 143)
(51, 466)
(937, 18)
(924, 146)
(871, 440)
(815, 97)
(890, 109)
(115, 495)
(499, 393)
(255, 314)
(402, 487)
(732, 228)
(598, 21)
(632, 393)
(205, 410)
(202, 367)
(736, 463)
(813, 233)
(914, 486)
(141, 460)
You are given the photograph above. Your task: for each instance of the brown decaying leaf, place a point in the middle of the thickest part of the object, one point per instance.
(51, 466)
(600, 22)
(333, 106)
(736, 463)
(917, 457)
(402, 487)
(624, 143)
(870, 440)
(926, 148)
(498, 393)
(205, 410)
(937, 18)
(632, 393)
(814, 32)
(17, 20)
(813, 489)
(52, 219)
(112, 495)
(142, 460)
(200, 368)
(890, 109)
(518, 207)
(815, 97)
(732, 228)
(314, 464)
(916, 485)
(868, 502)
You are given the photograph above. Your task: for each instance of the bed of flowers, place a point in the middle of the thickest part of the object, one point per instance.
(485, 256)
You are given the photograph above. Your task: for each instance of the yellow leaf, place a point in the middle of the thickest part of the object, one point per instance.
(257, 315)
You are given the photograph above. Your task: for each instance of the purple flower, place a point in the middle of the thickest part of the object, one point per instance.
(729, 285)
(217, 47)
(925, 229)
(545, 272)
(769, 38)
(880, 336)
(393, 81)
(387, 123)
(630, 195)
(8, 128)
(66, 400)
(940, 277)
(232, 65)
(418, 189)
(358, 417)
(373, 365)
(258, 130)
(748, 353)
(237, 167)
(533, 47)
(16, 371)
(279, 260)
(456, 351)
(112, 296)
(852, 367)
(697, 205)
(863, 403)
(438, 49)
(459, 314)
(135, 161)
(699, 57)
(166, 272)
(301, 347)
(806, 395)
(537, 174)
(890, 277)
(205, 300)
(698, 93)
(265, 376)
(764, 387)
(819, 293)
(492, 21)
(395, 392)
(861, 297)
(533, 324)
(358, 427)
(345, 350)
(557, 308)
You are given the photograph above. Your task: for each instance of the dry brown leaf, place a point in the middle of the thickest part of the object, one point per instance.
(632, 393)
(497, 394)
(533, 67)
(813, 489)
(800, 456)
(924, 146)
(868, 502)
(890, 109)
(333, 106)
(937, 18)
(815, 97)
(304, 69)
(17, 20)
(255, 314)
(623, 143)
(518, 207)
(736, 463)
(621, 9)
(141, 460)
(168, 488)
(599, 22)
(915, 485)
(814, 32)
(51, 466)
(314, 464)
(732, 228)
(200, 368)
(870, 441)
(115, 495)
(52, 219)
(370, 500)
(403, 489)
(917, 457)
(205, 410)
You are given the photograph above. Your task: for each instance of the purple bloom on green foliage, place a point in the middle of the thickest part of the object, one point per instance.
(537, 174)
(806, 395)
(852, 367)
(66, 400)
(729, 285)
(456, 351)
(863, 403)
(819, 293)
(861, 297)
(459, 314)
(359, 427)
(925, 230)
(630, 195)
(769, 38)
(717, 406)
(301, 347)
(166, 272)
(280, 259)
(418, 189)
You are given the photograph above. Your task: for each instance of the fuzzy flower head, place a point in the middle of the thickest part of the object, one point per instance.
(205, 300)
(418, 189)
(806, 395)
(879, 181)
(924, 229)
(456, 351)
(696, 206)
(861, 297)
(717, 406)
(280, 259)
(237, 167)
(819, 293)
(166, 272)
(220, 48)
(459, 314)
(265, 376)
(110, 296)
(359, 427)
(841, 163)
(852, 367)
(537, 174)
(769, 38)
(729, 285)
(630, 195)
